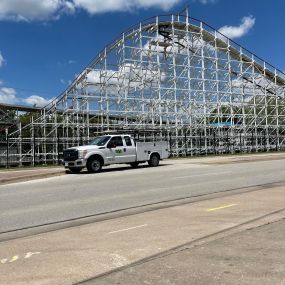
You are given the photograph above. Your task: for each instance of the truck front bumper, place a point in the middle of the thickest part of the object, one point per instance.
(77, 163)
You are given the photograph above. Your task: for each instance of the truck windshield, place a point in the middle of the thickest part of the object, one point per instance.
(100, 140)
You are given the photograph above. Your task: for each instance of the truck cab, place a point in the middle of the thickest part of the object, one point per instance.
(113, 149)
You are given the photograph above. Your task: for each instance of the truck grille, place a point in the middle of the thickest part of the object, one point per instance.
(70, 154)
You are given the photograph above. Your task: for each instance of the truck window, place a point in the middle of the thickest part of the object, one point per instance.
(117, 141)
(128, 141)
(100, 141)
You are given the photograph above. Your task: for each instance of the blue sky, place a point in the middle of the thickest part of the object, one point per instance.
(43, 44)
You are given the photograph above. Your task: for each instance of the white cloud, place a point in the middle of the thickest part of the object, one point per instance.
(128, 74)
(1, 59)
(99, 6)
(8, 95)
(37, 100)
(158, 44)
(30, 10)
(233, 32)
(204, 2)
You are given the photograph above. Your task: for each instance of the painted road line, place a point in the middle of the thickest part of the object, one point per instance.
(128, 229)
(14, 258)
(203, 174)
(29, 254)
(220, 208)
(18, 257)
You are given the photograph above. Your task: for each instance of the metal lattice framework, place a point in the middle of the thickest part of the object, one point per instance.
(172, 76)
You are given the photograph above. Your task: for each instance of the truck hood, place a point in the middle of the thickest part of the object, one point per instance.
(86, 147)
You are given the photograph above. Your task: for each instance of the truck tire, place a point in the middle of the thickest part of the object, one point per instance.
(134, 164)
(94, 165)
(75, 169)
(154, 160)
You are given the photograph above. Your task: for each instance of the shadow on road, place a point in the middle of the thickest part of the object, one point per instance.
(115, 169)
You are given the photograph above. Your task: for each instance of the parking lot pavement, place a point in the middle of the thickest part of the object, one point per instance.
(22, 174)
(255, 256)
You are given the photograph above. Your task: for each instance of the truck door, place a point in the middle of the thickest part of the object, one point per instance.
(118, 151)
(130, 150)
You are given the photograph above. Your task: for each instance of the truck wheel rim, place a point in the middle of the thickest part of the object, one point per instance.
(96, 165)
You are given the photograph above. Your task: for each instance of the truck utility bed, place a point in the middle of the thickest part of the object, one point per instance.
(144, 149)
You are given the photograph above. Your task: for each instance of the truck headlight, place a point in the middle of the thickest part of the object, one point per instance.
(82, 153)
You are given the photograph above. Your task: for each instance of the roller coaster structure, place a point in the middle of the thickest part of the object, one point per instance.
(171, 77)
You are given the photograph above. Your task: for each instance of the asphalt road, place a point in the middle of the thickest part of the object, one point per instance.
(49, 200)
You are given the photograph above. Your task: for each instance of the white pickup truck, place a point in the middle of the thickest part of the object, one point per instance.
(113, 149)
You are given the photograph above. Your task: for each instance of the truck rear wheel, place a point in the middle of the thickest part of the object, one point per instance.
(154, 160)
(94, 165)
(134, 164)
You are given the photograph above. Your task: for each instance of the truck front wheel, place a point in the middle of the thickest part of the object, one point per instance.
(94, 165)
(154, 160)
(75, 169)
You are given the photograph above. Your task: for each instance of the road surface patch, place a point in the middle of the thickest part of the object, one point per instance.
(128, 229)
(203, 174)
(220, 208)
